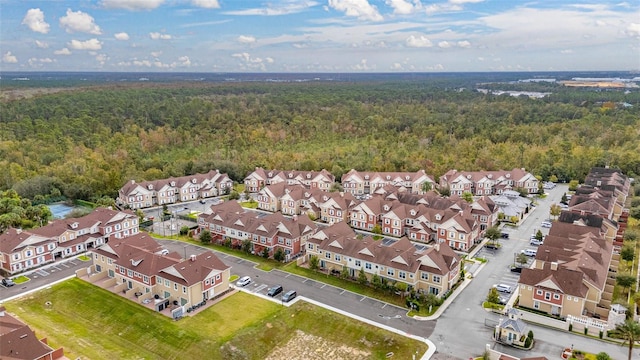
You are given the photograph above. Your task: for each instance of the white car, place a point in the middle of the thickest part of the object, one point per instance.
(244, 281)
(546, 224)
(535, 242)
(530, 252)
(503, 288)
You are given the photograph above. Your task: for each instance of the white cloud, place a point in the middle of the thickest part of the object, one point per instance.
(36, 61)
(404, 7)
(567, 51)
(92, 44)
(444, 44)
(156, 54)
(145, 63)
(184, 61)
(34, 19)
(42, 44)
(133, 5)
(63, 51)
(121, 36)
(79, 21)
(207, 4)
(246, 39)
(458, 2)
(277, 9)
(357, 8)
(269, 60)
(252, 63)
(633, 30)
(396, 66)
(159, 36)
(300, 45)
(464, 44)
(102, 58)
(363, 66)
(418, 42)
(8, 57)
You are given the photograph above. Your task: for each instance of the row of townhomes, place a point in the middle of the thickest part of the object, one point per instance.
(145, 194)
(574, 271)
(143, 271)
(19, 342)
(21, 250)
(230, 221)
(259, 178)
(422, 217)
(488, 182)
(366, 182)
(433, 270)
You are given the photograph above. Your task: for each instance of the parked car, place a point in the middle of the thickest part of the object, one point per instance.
(530, 252)
(289, 295)
(535, 242)
(275, 290)
(516, 269)
(503, 288)
(546, 224)
(503, 300)
(492, 246)
(504, 235)
(7, 282)
(244, 281)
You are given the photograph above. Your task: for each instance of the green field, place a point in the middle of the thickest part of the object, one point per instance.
(92, 323)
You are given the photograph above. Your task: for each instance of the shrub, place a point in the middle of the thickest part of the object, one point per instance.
(601, 334)
(603, 355)
(527, 343)
(586, 330)
(530, 335)
(570, 327)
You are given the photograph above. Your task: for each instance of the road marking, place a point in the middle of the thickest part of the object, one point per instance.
(260, 287)
(362, 298)
(306, 281)
(342, 292)
(383, 306)
(63, 264)
(287, 275)
(323, 286)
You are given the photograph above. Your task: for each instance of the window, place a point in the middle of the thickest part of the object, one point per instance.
(402, 274)
(547, 295)
(358, 263)
(51, 246)
(536, 305)
(424, 276)
(337, 257)
(130, 273)
(28, 253)
(184, 289)
(310, 246)
(175, 286)
(367, 266)
(538, 292)
(16, 256)
(40, 250)
(390, 272)
(166, 283)
(327, 255)
(568, 298)
(436, 279)
(556, 296)
(145, 279)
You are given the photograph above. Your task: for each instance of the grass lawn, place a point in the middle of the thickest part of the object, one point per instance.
(92, 323)
(84, 258)
(20, 279)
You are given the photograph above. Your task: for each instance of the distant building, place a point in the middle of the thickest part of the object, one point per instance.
(19, 342)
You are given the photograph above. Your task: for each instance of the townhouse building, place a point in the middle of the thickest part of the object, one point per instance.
(259, 178)
(146, 194)
(367, 182)
(573, 273)
(335, 207)
(272, 232)
(21, 250)
(19, 342)
(488, 182)
(433, 270)
(137, 267)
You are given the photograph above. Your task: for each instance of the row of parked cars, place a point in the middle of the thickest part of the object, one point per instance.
(273, 291)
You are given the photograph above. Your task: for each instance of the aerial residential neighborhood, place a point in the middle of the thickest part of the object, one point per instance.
(392, 232)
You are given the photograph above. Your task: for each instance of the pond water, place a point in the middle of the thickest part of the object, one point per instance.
(60, 210)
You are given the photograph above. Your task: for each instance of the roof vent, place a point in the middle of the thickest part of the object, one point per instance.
(193, 258)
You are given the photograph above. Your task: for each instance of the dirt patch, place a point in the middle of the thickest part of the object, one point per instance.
(303, 346)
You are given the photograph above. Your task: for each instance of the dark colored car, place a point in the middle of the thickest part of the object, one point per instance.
(516, 269)
(290, 295)
(275, 290)
(504, 235)
(8, 282)
(492, 246)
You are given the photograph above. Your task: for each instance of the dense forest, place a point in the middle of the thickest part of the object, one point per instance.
(85, 142)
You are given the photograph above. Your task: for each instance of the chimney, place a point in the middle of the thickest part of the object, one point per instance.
(554, 266)
(193, 257)
(18, 231)
(437, 246)
(295, 217)
(133, 182)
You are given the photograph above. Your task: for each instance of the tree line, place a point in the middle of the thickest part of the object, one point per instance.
(86, 143)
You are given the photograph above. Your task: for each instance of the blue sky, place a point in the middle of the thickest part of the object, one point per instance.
(319, 35)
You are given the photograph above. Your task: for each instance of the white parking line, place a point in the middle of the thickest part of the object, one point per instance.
(342, 292)
(287, 275)
(259, 288)
(383, 306)
(363, 298)
(323, 286)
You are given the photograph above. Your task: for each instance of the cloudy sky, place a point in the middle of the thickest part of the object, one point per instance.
(319, 35)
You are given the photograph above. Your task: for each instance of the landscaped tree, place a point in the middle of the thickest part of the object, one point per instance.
(493, 297)
(631, 235)
(467, 196)
(635, 212)
(344, 273)
(539, 235)
(362, 277)
(603, 356)
(377, 281)
(265, 252)
(564, 198)
(402, 288)
(234, 195)
(279, 255)
(629, 331)
(184, 230)
(493, 234)
(625, 280)
(553, 179)
(205, 236)
(314, 262)
(247, 246)
(521, 259)
(628, 253)
(427, 186)
(377, 229)
(573, 185)
(555, 210)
